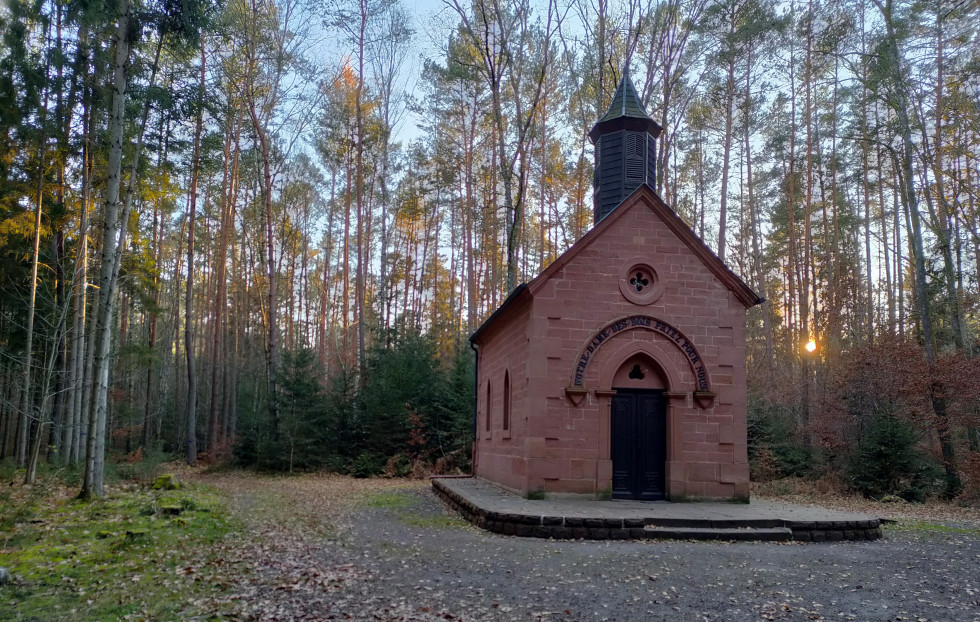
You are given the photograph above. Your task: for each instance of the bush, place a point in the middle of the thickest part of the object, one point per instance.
(302, 416)
(297, 437)
(367, 465)
(405, 402)
(143, 466)
(775, 449)
(412, 404)
(887, 462)
(398, 466)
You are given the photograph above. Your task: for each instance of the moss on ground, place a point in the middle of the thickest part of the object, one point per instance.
(405, 506)
(114, 558)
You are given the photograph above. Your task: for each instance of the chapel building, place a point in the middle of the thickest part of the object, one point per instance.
(619, 371)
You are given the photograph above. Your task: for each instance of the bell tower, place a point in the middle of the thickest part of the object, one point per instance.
(625, 140)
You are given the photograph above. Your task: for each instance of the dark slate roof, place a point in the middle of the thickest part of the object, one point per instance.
(625, 112)
(625, 103)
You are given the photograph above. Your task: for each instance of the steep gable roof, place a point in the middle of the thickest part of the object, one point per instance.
(644, 195)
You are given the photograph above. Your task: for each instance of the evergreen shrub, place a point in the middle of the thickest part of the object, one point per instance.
(886, 461)
(775, 449)
(411, 406)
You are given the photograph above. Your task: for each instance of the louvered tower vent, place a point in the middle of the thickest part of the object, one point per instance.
(625, 140)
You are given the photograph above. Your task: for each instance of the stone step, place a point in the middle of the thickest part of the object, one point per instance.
(715, 523)
(767, 534)
(689, 521)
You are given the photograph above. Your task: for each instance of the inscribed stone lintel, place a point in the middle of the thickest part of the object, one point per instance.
(674, 336)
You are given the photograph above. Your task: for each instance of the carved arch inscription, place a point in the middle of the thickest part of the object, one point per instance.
(643, 322)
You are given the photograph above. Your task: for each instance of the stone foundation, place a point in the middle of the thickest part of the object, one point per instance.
(652, 528)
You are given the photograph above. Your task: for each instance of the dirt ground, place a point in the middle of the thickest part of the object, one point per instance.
(327, 547)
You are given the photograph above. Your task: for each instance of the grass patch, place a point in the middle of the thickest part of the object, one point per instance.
(390, 501)
(405, 507)
(927, 527)
(120, 557)
(432, 522)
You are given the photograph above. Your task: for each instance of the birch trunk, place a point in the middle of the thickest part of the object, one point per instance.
(94, 459)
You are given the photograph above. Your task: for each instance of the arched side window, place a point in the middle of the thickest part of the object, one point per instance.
(486, 416)
(506, 400)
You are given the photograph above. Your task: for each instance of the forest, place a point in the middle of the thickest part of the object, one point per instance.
(260, 232)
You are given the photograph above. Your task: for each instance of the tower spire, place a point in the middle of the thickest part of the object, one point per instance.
(625, 140)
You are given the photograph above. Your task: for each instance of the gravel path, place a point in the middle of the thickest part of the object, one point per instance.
(406, 557)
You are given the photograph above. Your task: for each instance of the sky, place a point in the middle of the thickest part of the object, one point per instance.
(433, 23)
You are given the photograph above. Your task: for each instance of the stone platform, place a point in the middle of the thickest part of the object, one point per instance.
(500, 511)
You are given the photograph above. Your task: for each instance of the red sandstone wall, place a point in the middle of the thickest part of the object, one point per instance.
(568, 445)
(500, 454)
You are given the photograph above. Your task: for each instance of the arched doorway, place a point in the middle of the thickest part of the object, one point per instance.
(638, 430)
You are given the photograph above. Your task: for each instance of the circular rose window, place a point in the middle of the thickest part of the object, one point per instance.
(639, 283)
(640, 279)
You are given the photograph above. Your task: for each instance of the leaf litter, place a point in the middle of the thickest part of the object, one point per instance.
(324, 547)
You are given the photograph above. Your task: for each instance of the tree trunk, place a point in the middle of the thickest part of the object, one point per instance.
(113, 246)
(726, 154)
(900, 105)
(190, 413)
(216, 437)
(94, 460)
(362, 214)
(27, 403)
(757, 268)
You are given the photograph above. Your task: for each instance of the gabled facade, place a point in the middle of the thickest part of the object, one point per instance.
(620, 369)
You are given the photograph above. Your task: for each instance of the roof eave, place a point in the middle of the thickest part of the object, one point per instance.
(719, 268)
(504, 307)
(638, 124)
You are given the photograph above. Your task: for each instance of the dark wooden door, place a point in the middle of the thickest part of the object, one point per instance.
(639, 444)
